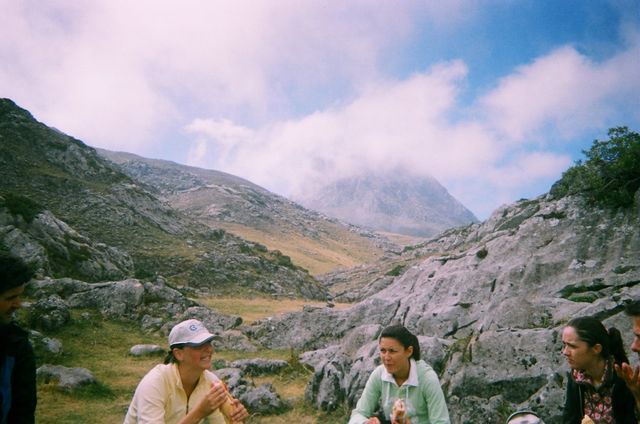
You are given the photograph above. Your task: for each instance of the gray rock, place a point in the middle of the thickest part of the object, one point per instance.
(262, 400)
(235, 381)
(65, 379)
(42, 343)
(490, 323)
(49, 314)
(233, 340)
(151, 304)
(255, 367)
(146, 350)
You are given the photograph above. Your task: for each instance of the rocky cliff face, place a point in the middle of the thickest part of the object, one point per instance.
(490, 301)
(101, 206)
(54, 248)
(396, 201)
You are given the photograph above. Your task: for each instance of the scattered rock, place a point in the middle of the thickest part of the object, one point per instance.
(255, 367)
(66, 379)
(146, 350)
(262, 400)
(49, 314)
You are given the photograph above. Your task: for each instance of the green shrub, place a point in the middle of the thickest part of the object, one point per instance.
(397, 270)
(610, 176)
(482, 253)
(21, 205)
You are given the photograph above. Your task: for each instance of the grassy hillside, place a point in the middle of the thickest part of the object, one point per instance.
(342, 249)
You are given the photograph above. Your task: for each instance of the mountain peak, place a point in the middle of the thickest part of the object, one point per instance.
(396, 201)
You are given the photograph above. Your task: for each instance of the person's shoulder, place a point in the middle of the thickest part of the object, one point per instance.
(160, 371)
(160, 375)
(13, 329)
(378, 370)
(423, 366)
(15, 335)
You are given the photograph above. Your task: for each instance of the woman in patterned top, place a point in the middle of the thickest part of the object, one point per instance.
(593, 388)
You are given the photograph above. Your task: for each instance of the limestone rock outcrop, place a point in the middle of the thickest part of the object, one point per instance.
(494, 296)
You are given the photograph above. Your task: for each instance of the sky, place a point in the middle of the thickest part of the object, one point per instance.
(493, 98)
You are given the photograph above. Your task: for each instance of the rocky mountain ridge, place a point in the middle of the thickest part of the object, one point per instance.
(397, 201)
(221, 200)
(50, 171)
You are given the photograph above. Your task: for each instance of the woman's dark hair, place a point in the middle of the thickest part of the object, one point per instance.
(592, 331)
(170, 358)
(13, 271)
(633, 309)
(405, 337)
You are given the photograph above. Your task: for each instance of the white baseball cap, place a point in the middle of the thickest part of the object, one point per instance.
(190, 332)
(524, 417)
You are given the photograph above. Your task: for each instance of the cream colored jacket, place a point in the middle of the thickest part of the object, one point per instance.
(161, 399)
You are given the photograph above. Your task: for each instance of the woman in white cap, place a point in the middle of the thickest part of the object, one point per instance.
(183, 390)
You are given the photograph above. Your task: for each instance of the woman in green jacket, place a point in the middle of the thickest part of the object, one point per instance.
(403, 376)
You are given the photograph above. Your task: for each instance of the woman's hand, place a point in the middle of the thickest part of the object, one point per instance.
(372, 420)
(240, 414)
(631, 378)
(214, 398)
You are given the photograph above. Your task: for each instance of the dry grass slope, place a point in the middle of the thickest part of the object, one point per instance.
(336, 249)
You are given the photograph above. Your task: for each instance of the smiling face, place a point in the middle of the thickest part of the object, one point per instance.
(10, 301)
(394, 356)
(578, 353)
(195, 356)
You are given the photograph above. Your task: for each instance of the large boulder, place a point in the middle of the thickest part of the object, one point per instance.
(155, 305)
(64, 378)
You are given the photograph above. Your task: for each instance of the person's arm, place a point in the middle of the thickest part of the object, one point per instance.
(23, 403)
(436, 404)
(368, 401)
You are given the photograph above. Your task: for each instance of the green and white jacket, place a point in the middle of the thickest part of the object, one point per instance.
(421, 393)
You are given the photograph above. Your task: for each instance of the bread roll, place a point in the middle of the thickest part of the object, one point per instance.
(587, 420)
(228, 408)
(399, 412)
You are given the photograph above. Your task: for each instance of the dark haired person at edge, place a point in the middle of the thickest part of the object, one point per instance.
(17, 362)
(183, 390)
(630, 375)
(594, 391)
(402, 375)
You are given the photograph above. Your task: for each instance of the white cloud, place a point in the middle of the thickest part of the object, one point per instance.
(118, 73)
(291, 93)
(565, 90)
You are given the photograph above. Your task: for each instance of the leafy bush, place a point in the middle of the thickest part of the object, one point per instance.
(397, 270)
(20, 205)
(611, 174)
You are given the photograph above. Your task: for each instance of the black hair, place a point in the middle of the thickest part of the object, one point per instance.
(592, 331)
(633, 309)
(405, 337)
(13, 271)
(170, 357)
